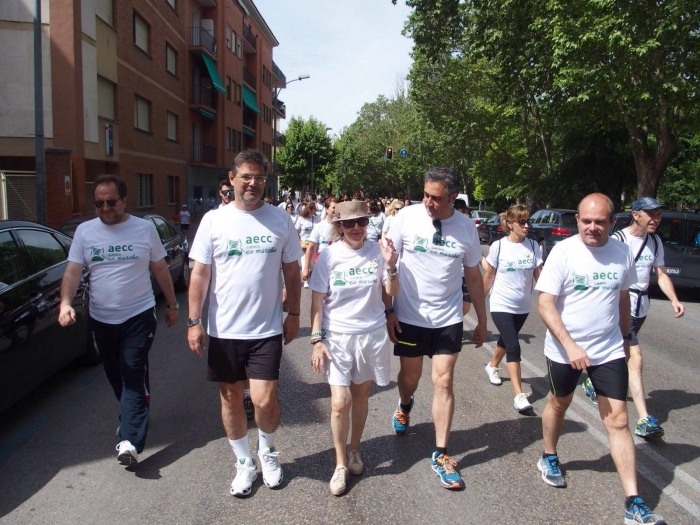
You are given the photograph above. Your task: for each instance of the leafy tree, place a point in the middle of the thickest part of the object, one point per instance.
(306, 141)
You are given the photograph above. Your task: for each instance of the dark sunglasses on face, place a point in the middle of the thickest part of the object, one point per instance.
(523, 222)
(227, 193)
(350, 223)
(437, 236)
(111, 203)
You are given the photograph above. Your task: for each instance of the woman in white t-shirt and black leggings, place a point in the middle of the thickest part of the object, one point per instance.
(512, 264)
(352, 285)
(304, 225)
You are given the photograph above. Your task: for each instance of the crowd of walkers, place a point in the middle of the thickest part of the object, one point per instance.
(382, 273)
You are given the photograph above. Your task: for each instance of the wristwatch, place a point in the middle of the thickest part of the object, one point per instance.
(174, 306)
(627, 337)
(388, 311)
(193, 322)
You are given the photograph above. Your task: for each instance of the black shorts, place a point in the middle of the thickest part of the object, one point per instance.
(609, 379)
(184, 226)
(228, 360)
(509, 326)
(416, 341)
(635, 326)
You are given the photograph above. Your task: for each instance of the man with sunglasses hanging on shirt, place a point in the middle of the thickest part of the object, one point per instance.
(437, 246)
(238, 252)
(119, 250)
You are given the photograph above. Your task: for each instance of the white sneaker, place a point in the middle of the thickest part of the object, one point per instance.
(271, 468)
(355, 465)
(246, 473)
(494, 374)
(126, 453)
(306, 284)
(521, 403)
(339, 480)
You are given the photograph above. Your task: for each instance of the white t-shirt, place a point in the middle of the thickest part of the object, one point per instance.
(283, 204)
(587, 282)
(430, 274)
(644, 264)
(119, 259)
(320, 235)
(184, 217)
(352, 281)
(304, 226)
(512, 286)
(246, 250)
(374, 228)
(387, 224)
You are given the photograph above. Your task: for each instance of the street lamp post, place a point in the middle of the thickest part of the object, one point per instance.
(313, 147)
(275, 93)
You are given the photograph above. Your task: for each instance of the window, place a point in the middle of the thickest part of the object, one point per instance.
(105, 10)
(228, 139)
(171, 59)
(228, 36)
(142, 113)
(164, 231)
(105, 98)
(43, 249)
(671, 231)
(173, 187)
(11, 269)
(172, 3)
(144, 190)
(238, 46)
(141, 33)
(239, 93)
(228, 88)
(171, 126)
(239, 142)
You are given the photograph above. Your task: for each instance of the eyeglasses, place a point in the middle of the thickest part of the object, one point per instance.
(437, 236)
(523, 222)
(227, 193)
(111, 203)
(350, 223)
(247, 179)
(398, 208)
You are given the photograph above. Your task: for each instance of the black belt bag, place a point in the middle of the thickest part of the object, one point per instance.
(640, 294)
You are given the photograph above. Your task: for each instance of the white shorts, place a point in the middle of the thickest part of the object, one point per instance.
(358, 358)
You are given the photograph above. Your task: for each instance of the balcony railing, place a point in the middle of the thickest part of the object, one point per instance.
(250, 119)
(249, 78)
(250, 38)
(280, 107)
(279, 138)
(203, 38)
(205, 94)
(278, 73)
(205, 153)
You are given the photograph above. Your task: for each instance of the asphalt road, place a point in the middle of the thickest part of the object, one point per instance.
(58, 464)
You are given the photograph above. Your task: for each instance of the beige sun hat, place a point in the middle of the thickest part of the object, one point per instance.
(350, 210)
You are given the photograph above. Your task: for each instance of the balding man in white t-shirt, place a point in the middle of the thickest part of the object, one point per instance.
(585, 304)
(238, 252)
(437, 247)
(119, 250)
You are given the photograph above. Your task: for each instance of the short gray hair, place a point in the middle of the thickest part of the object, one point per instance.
(250, 156)
(446, 176)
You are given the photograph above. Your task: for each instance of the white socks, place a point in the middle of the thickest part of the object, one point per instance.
(265, 439)
(240, 447)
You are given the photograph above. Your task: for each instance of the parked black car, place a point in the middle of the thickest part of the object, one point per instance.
(176, 247)
(490, 230)
(550, 226)
(33, 346)
(680, 235)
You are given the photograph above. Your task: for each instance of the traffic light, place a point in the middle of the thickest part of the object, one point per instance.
(389, 152)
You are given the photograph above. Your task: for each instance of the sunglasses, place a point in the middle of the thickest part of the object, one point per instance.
(523, 222)
(437, 236)
(398, 208)
(227, 193)
(350, 223)
(111, 203)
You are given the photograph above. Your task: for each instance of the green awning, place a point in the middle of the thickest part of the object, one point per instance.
(249, 100)
(208, 115)
(248, 132)
(214, 74)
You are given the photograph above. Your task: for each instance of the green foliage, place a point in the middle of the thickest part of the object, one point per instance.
(680, 184)
(302, 139)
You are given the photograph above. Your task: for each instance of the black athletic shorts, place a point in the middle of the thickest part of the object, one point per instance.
(228, 360)
(184, 226)
(416, 341)
(509, 326)
(635, 326)
(609, 379)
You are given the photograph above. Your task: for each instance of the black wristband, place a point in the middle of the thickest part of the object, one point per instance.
(388, 311)
(296, 315)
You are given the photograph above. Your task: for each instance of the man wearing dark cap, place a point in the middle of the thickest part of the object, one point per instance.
(648, 252)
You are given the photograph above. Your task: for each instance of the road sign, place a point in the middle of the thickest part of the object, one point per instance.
(403, 153)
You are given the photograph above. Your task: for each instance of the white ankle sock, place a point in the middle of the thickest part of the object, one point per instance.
(265, 439)
(240, 447)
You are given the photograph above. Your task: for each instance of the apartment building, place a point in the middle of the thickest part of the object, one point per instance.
(164, 93)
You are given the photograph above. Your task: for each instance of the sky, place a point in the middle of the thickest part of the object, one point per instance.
(353, 50)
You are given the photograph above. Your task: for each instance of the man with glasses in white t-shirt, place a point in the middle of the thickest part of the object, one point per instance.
(585, 303)
(437, 247)
(238, 252)
(119, 250)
